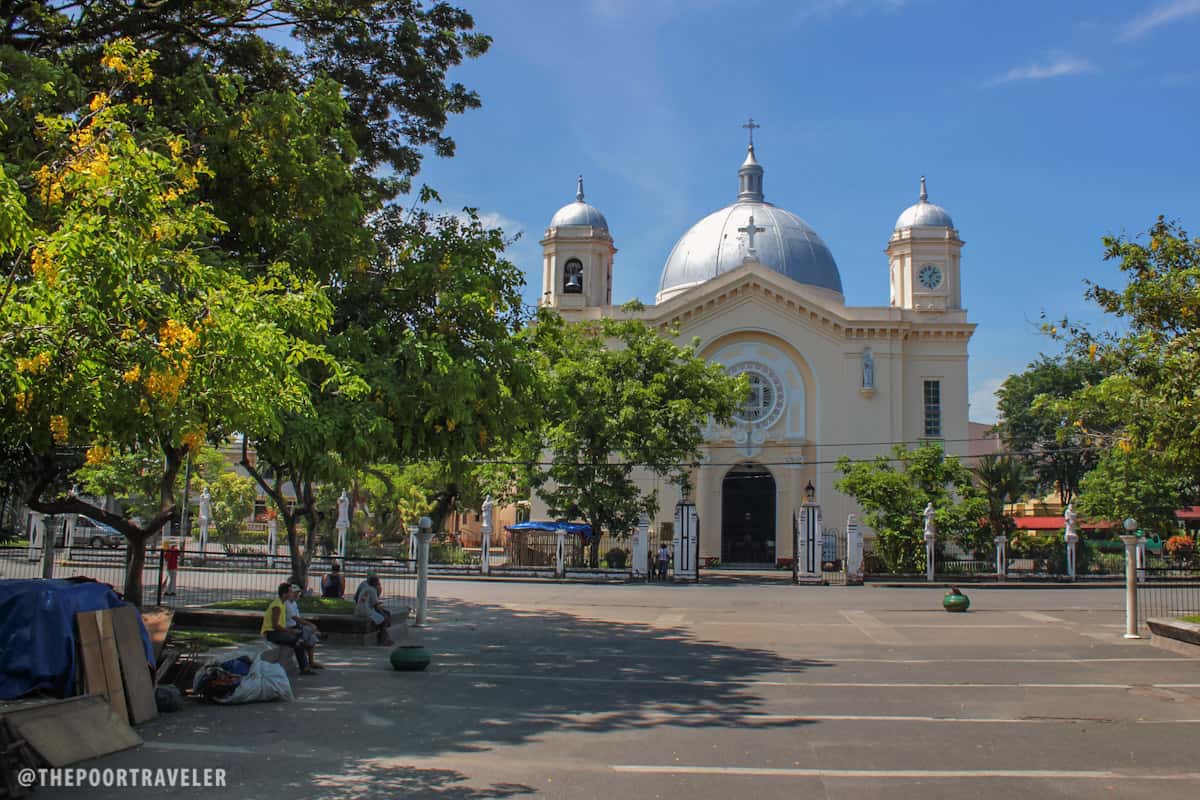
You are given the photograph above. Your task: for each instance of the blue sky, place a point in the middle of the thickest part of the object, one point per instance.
(1041, 126)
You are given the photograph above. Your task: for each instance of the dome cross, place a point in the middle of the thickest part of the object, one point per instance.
(750, 229)
(750, 126)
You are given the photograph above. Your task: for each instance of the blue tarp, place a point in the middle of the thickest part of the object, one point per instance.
(552, 527)
(37, 633)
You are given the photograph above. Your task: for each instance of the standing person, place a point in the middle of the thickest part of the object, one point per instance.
(310, 635)
(662, 560)
(367, 604)
(334, 583)
(275, 630)
(171, 557)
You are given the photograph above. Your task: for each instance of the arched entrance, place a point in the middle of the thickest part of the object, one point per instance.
(748, 516)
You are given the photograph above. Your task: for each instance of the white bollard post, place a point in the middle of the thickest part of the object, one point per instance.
(37, 534)
(560, 554)
(425, 535)
(641, 549)
(272, 540)
(485, 543)
(204, 518)
(343, 523)
(930, 537)
(412, 544)
(1001, 543)
(1141, 558)
(1131, 609)
(1071, 536)
(854, 551)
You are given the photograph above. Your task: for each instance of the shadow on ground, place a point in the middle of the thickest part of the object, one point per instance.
(500, 678)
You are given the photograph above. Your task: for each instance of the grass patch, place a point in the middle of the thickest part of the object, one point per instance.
(1195, 618)
(314, 605)
(206, 640)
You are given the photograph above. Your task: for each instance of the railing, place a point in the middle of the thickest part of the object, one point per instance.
(1168, 592)
(214, 575)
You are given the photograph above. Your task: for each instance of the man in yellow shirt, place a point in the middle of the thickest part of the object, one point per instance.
(275, 630)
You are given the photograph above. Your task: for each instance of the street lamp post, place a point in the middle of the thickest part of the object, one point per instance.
(1130, 539)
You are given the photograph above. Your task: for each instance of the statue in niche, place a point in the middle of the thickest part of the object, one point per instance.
(573, 277)
(868, 369)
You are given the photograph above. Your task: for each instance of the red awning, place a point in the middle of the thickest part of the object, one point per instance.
(1191, 512)
(1057, 524)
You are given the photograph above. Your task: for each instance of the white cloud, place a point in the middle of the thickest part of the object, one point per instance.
(983, 400)
(1163, 14)
(1059, 68)
(493, 219)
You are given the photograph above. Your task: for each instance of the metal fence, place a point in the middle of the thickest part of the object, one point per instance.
(1168, 592)
(212, 576)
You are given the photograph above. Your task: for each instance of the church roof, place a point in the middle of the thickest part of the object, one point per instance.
(750, 229)
(579, 212)
(924, 214)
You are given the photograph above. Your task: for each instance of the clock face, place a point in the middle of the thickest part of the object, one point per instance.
(930, 276)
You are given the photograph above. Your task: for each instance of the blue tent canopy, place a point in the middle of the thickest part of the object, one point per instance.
(579, 528)
(37, 633)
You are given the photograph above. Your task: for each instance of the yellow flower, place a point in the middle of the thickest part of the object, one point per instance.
(176, 147)
(22, 400)
(132, 374)
(58, 428)
(1092, 351)
(97, 454)
(193, 440)
(115, 63)
(99, 101)
(33, 365)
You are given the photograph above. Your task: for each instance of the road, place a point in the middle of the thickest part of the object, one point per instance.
(740, 689)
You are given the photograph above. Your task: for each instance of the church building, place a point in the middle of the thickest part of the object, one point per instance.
(761, 291)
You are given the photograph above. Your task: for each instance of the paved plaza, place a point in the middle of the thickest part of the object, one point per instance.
(743, 688)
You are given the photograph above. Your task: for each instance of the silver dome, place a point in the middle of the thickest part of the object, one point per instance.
(749, 230)
(782, 242)
(579, 213)
(924, 214)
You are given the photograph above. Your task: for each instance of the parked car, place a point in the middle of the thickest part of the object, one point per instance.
(90, 533)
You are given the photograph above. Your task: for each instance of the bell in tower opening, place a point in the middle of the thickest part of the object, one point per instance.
(573, 277)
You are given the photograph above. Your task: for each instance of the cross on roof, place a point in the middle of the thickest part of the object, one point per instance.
(750, 229)
(750, 126)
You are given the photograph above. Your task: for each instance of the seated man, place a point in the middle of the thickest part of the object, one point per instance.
(367, 604)
(333, 584)
(275, 629)
(310, 635)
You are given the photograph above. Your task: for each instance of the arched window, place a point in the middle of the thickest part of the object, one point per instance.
(573, 277)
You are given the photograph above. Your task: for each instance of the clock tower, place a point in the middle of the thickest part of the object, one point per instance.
(923, 258)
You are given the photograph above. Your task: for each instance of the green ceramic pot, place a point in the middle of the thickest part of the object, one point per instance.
(410, 658)
(956, 602)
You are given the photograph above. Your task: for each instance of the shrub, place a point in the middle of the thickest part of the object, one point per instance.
(616, 558)
(1180, 548)
(1109, 564)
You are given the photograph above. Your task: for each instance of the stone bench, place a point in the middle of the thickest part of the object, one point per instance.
(342, 628)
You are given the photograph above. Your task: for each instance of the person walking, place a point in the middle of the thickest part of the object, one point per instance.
(171, 559)
(661, 561)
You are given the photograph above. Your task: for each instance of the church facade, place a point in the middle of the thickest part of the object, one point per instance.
(762, 293)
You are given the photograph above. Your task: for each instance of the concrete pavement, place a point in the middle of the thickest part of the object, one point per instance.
(716, 691)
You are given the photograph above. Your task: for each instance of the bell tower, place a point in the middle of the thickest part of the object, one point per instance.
(924, 254)
(577, 257)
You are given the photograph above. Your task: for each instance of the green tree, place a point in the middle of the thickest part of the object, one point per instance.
(621, 397)
(893, 493)
(433, 326)
(1133, 483)
(1031, 426)
(1002, 479)
(390, 58)
(123, 332)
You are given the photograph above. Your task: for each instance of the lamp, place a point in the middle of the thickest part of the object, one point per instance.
(810, 493)
(1130, 525)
